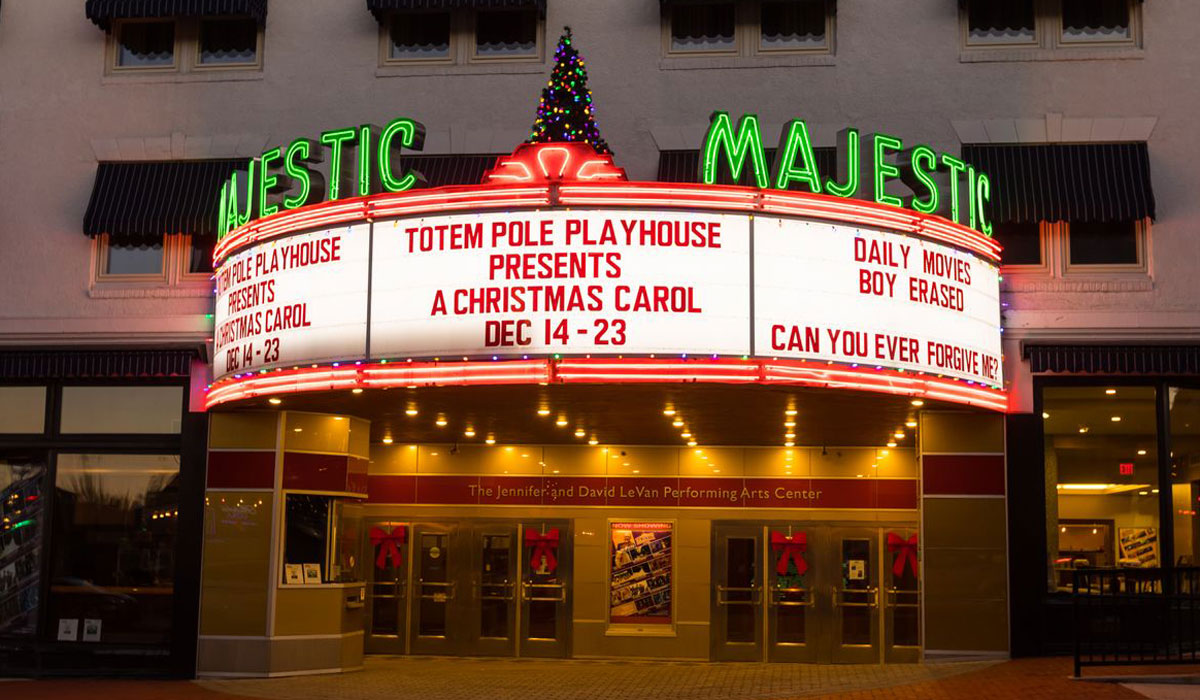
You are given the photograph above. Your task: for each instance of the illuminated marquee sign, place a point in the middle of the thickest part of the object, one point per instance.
(607, 282)
(558, 269)
(940, 183)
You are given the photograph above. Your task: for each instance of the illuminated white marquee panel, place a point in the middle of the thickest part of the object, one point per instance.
(295, 300)
(568, 282)
(608, 281)
(862, 296)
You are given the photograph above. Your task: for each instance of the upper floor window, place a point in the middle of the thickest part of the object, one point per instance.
(185, 44)
(462, 36)
(1096, 20)
(173, 260)
(747, 28)
(998, 23)
(1050, 24)
(1074, 247)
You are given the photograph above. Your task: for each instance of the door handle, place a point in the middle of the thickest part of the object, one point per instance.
(555, 592)
(840, 593)
(724, 591)
(808, 602)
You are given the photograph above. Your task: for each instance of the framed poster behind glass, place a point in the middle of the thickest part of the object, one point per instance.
(641, 564)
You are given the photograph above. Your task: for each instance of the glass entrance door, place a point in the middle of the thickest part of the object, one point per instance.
(901, 596)
(854, 632)
(490, 618)
(793, 620)
(436, 625)
(737, 592)
(545, 607)
(387, 564)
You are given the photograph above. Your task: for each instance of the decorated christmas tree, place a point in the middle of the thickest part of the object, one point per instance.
(565, 112)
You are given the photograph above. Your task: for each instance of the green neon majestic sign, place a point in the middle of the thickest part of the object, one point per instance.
(940, 183)
(362, 161)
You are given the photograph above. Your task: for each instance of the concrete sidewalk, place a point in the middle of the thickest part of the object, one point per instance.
(435, 678)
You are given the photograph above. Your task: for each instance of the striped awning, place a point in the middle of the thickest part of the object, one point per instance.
(94, 364)
(1114, 359)
(442, 170)
(103, 12)
(381, 7)
(136, 203)
(684, 166)
(1066, 182)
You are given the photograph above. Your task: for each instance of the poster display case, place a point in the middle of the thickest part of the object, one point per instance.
(640, 573)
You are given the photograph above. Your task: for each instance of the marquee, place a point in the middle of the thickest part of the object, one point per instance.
(558, 269)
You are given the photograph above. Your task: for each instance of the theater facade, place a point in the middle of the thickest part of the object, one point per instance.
(561, 413)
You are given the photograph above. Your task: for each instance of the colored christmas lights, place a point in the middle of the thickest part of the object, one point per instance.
(565, 112)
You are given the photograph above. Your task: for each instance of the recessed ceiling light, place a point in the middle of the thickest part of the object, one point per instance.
(917, 402)
(1045, 415)
(891, 444)
(1115, 419)
(668, 411)
(440, 422)
(469, 432)
(1110, 392)
(593, 441)
(1141, 453)
(1083, 428)
(274, 401)
(910, 424)
(789, 424)
(899, 435)
(356, 391)
(789, 443)
(580, 433)
(296, 430)
(685, 435)
(789, 436)
(561, 422)
(490, 440)
(543, 411)
(412, 411)
(677, 423)
(790, 412)
(387, 441)
(691, 443)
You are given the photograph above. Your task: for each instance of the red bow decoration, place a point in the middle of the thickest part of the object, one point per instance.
(389, 546)
(906, 553)
(790, 547)
(543, 546)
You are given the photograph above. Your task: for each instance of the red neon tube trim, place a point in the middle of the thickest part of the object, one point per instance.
(620, 370)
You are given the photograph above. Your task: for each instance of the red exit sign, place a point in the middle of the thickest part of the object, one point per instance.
(1126, 468)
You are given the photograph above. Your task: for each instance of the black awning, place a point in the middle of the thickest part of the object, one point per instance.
(684, 166)
(137, 203)
(1066, 182)
(95, 364)
(1114, 359)
(381, 7)
(442, 170)
(103, 12)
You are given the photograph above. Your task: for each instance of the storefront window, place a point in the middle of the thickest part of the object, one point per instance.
(321, 540)
(1101, 479)
(122, 409)
(640, 577)
(114, 548)
(21, 525)
(22, 409)
(1185, 473)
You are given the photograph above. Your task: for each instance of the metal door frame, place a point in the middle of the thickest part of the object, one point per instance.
(719, 648)
(451, 643)
(529, 592)
(891, 601)
(815, 622)
(470, 605)
(386, 644)
(871, 653)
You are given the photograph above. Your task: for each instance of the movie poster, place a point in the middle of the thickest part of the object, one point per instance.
(641, 573)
